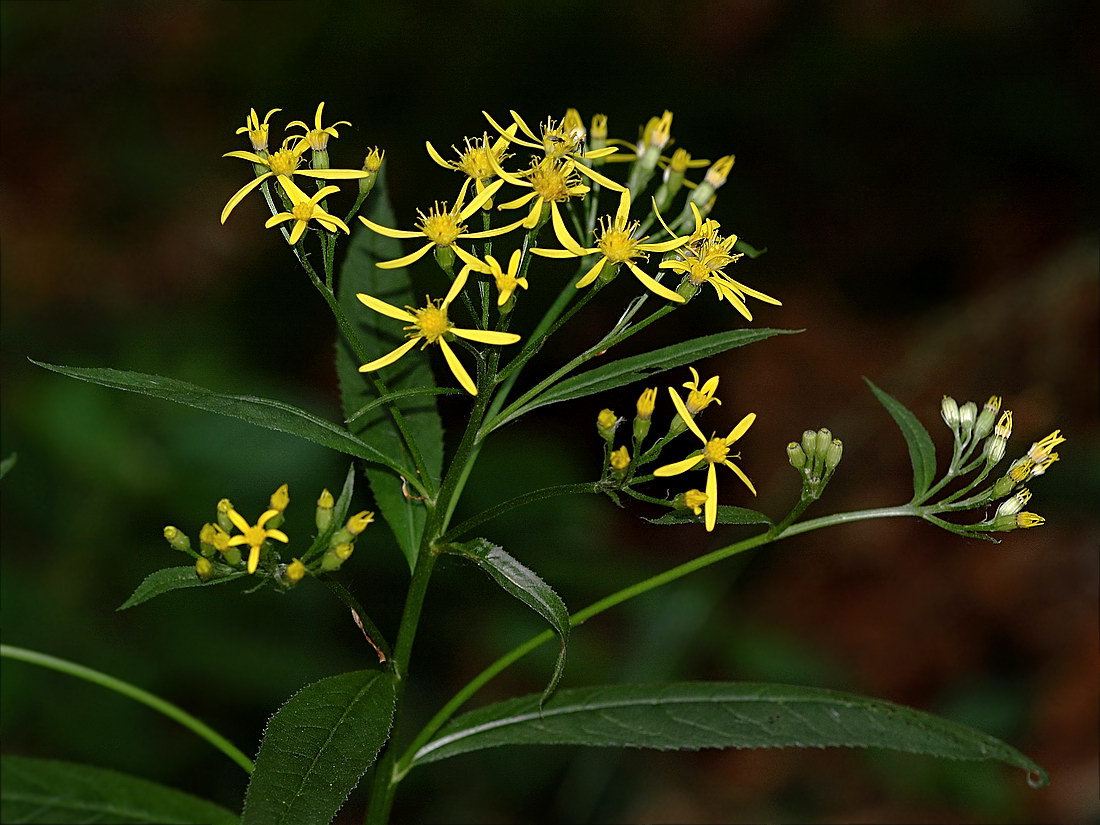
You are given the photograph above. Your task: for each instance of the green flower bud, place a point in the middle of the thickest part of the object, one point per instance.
(224, 506)
(994, 450)
(330, 561)
(1002, 487)
(177, 539)
(204, 569)
(833, 454)
(796, 455)
(949, 409)
(606, 424)
(968, 412)
(824, 439)
(809, 444)
(988, 417)
(445, 257)
(323, 516)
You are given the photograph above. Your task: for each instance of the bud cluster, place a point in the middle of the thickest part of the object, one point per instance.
(816, 458)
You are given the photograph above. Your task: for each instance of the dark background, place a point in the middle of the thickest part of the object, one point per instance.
(920, 173)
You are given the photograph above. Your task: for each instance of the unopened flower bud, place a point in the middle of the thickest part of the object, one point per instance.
(323, 516)
(809, 444)
(1011, 506)
(280, 498)
(833, 454)
(647, 402)
(177, 539)
(371, 164)
(822, 442)
(968, 413)
(358, 523)
(691, 500)
(330, 561)
(606, 423)
(796, 455)
(224, 506)
(620, 460)
(988, 416)
(713, 180)
(994, 450)
(344, 551)
(949, 409)
(204, 569)
(1026, 520)
(1002, 487)
(319, 160)
(445, 257)
(295, 571)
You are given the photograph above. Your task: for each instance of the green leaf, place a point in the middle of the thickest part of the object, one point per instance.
(7, 464)
(726, 515)
(394, 396)
(45, 791)
(526, 585)
(378, 335)
(921, 450)
(640, 367)
(693, 715)
(316, 748)
(169, 579)
(263, 412)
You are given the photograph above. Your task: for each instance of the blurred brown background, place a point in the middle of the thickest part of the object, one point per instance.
(924, 177)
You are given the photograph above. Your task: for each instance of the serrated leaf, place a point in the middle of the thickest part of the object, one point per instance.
(7, 464)
(921, 450)
(263, 412)
(317, 746)
(378, 335)
(640, 367)
(164, 581)
(50, 792)
(526, 585)
(726, 515)
(693, 715)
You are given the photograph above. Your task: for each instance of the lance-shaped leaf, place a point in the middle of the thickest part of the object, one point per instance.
(726, 515)
(263, 412)
(693, 715)
(45, 791)
(640, 367)
(316, 748)
(164, 581)
(921, 450)
(378, 335)
(525, 585)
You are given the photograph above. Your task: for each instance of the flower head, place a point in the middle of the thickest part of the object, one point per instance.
(431, 325)
(699, 396)
(694, 501)
(306, 209)
(615, 244)
(318, 136)
(620, 459)
(257, 129)
(550, 181)
(479, 160)
(716, 450)
(254, 535)
(647, 402)
(443, 226)
(506, 279)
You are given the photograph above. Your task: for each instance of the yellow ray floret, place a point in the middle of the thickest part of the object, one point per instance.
(431, 325)
(254, 536)
(257, 129)
(479, 160)
(318, 136)
(615, 244)
(551, 182)
(506, 279)
(443, 226)
(716, 450)
(306, 209)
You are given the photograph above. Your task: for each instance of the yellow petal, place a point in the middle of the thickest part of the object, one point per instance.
(278, 535)
(711, 506)
(457, 368)
(323, 193)
(741, 475)
(390, 233)
(741, 428)
(252, 156)
(665, 246)
(244, 190)
(600, 153)
(485, 195)
(689, 463)
(592, 273)
(654, 286)
(412, 257)
(523, 125)
(518, 202)
(685, 415)
(253, 560)
(326, 219)
(434, 155)
(297, 232)
(486, 336)
(333, 174)
(275, 220)
(389, 357)
(457, 284)
(553, 253)
(238, 520)
(388, 310)
(469, 260)
(563, 236)
(603, 181)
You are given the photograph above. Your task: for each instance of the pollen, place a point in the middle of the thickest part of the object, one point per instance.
(431, 323)
(617, 243)
(716, 450)
(284, 162)
(302, 211)
(440, 225)
(552, 182)
(475, 161)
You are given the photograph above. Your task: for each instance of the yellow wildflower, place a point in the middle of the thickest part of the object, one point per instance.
(551, 182)
(1029, 520)
(606, 419)
(479, 160)
(1041, 450)
(295, 571)
(699, 397)
(283, 165)
(257, 129)
(430, 325)
(255, 536)
(694, 501)
(620, 459)
(715, 451)
(647, 402)
(615, 244)
(506, 279)
(358, 523)
(444, 227)
(306, 209)
(373, 161)
(318, 136)
(215, 536)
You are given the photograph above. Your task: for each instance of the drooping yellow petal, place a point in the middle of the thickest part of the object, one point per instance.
(602, 180)
(710, 509)
(252, 156)
(518, 202)
(741, 428)
(412, 257)
(685, 415)
(456, 286)
(674, 469)
(331, 222)
(275, 220)
(297, 232)
(469, 260)
(388, 310)
(333, 174)
(244, 190)
(390, 357)
(457, 368)
(492, 233)
(323, 193)
(485, 195)
(253, 560)
(553, 253)
(592, 274)
(390, 233)
(654, 286)
(664, 246)
(522, 124)
(486, 336)
(434, 155)
(238, 520)
(562, 234)
(741, 475)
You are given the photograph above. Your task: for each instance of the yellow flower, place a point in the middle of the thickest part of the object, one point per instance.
(506, 279)
(1029, 520)
(255, 536)
(373, 161)
(283, 165)
(444, 227)
(318, 136)
(718, 173)
(479, 161)
(703, 259)
(647, 402)
(620, 459)
(715, 451)
(699, 397)
(280, 499)
(561, 141)
(215, 536)
(306, 209)
(680, 162)
(430, 325)
(358, 523)
(257, 130)
(551, 182)
(615, 244)
(606, 419)
(295, 571)
(1040, 451)
(694, 501)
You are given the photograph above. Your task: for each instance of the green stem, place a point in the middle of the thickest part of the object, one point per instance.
(512, 503)
(374, 636)
(404, 764)
(133, 692)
